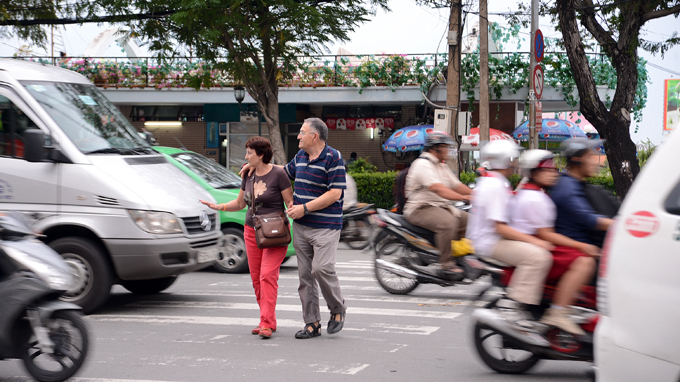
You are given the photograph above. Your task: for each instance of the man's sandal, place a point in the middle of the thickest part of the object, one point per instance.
(336, 326)
(310, 330)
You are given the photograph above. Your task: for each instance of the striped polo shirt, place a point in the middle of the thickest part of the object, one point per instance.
(313, 179)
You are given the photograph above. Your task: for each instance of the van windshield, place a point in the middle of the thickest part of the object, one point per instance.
(209, 170)
(87, 117)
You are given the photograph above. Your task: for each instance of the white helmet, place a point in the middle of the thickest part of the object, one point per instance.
(500, 154)
(533, 159)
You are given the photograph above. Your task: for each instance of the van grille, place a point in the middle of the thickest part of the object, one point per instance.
(203, 243)
(193, 224)
(107, 201)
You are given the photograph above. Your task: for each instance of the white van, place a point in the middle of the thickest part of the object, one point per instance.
(114, 208)
(638, 335)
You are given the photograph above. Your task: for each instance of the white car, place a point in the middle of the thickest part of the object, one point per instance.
(638, 335)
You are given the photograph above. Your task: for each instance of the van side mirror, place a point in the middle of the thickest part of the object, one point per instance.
(34, 145)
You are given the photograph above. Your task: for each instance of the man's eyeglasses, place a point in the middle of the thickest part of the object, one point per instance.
(302, 133)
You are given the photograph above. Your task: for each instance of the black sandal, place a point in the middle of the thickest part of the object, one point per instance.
(310, 331)
(336, 326)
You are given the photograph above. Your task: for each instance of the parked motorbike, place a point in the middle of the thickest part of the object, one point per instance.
(356, 226)
(48, 335)
(509, 351)
(403, 252)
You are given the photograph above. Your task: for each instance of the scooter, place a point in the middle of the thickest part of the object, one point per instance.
(509, 351)
(404, 252)
(356, 226)
(50, 336)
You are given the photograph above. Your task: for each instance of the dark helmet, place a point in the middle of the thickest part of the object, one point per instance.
(577, 147)
(438, 138)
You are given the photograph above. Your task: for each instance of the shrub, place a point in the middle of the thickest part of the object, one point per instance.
(375, 188)
(361, 166)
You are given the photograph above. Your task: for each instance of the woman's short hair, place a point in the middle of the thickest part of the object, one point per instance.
(262, 146)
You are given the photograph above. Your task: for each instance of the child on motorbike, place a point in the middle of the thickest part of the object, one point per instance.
(532, 212)
(493, 237)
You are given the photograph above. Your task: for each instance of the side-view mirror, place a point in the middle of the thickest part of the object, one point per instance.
(34, 145)
(35, 149)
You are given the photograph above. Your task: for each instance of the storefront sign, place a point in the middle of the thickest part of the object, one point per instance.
(539, 117)
(359, 123)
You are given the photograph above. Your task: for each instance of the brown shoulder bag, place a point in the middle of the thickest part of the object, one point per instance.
(271, 230)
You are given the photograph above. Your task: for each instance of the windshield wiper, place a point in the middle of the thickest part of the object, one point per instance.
(141, 150)
(107, 150)
(230, 186)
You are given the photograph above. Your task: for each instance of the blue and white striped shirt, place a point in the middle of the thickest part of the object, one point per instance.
(315, 178)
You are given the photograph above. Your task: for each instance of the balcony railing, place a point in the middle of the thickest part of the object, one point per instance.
(359, 71)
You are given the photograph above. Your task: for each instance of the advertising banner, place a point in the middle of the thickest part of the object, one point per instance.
(359, 123)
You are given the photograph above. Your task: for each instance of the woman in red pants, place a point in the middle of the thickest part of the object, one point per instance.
(267, 189)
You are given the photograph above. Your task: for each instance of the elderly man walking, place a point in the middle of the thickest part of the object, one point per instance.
(319, 175)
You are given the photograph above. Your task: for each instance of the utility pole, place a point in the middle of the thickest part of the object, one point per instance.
(453, 78)
(533, 135)
(483, 73)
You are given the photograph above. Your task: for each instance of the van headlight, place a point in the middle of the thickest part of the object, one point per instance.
(156, 222)
(57, 279)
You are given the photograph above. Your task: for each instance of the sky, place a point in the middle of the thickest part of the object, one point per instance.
(413, 29)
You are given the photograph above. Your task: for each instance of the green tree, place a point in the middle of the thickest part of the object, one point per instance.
(13, 10)
(258, 42)
(615, 26)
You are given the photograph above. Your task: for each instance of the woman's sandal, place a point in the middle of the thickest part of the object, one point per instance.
(310, 330)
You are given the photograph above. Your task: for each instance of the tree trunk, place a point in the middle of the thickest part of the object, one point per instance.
(275, 132)
(612, 125)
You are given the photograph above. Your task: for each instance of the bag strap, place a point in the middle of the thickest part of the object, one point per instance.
(252, 194)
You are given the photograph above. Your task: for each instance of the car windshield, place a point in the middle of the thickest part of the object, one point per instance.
(87, 117)
(209, 170)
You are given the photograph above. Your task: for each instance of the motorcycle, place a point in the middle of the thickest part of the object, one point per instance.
(50, 336)
(356, 226)
(509, 351)
(404, 251)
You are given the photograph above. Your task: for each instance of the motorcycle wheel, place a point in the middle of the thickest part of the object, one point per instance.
(392, 252)
(68, 331)
(491, 347)
(361, 241)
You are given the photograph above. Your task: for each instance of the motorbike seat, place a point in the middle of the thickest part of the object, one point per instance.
(422, 232)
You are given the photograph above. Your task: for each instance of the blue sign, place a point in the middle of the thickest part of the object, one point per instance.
(539, 45)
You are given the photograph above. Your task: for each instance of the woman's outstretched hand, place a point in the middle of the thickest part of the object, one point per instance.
(209, 204)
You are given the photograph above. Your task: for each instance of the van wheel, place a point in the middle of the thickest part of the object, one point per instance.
(232, 252)
(285, 259)
(149, 286)
(91, 271)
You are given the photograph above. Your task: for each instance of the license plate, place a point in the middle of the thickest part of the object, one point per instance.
(207, 255)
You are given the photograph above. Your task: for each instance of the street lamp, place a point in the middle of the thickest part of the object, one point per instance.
(239, 94)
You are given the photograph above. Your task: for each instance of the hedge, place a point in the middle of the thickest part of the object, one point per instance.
(377, 188)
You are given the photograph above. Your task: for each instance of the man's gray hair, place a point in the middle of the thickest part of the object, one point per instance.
(319, 126)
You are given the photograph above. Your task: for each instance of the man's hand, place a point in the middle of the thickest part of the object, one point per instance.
(296, 212)
(210, 205)
(246, 169)
(591, 250)
(544, 244)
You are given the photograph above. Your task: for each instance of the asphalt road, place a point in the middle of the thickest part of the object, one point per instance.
(199, 330)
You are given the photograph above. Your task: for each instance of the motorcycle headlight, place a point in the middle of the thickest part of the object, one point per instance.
(156, 222)
(56, 278)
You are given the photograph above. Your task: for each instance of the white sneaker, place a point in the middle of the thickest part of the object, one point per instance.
(513, 312)
(559, 318)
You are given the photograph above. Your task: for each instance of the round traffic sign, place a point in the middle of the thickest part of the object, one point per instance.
(539, 45)
(538, 81)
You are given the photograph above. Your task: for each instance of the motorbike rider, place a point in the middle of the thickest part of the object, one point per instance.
(576, 217)
(493, 237)
(532, 212)
(430, 187)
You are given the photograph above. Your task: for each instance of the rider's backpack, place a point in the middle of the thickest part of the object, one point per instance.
(399, 192)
